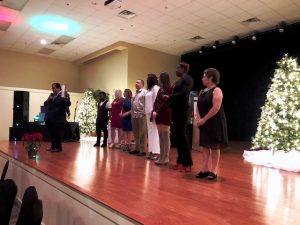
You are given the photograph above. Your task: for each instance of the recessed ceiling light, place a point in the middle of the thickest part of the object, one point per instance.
(43, 42)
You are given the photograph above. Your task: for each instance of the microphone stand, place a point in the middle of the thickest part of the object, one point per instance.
(75, 110)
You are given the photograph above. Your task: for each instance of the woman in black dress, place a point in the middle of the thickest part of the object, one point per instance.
(212, 123)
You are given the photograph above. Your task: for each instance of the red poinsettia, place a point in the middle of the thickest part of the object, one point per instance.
(33, 142)
(32, 137)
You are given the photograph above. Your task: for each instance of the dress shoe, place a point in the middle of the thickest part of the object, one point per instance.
(149, 155)
(134, 152)
(212, 176)
(154, 156)
(104, 145)
(202, 174)
(56, 150)
(96, 145)
(141, 154)
(111, 145)
(48, 149)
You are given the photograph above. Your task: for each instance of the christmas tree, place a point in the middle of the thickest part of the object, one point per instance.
(279, 124)
(87, 113)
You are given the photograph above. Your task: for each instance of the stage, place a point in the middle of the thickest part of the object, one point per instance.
(126, 189)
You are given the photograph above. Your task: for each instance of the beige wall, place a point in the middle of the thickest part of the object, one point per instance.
(107, 72)
(115, 67)
(36, 99)
(110, 69)
(142, 61)
(32, 71)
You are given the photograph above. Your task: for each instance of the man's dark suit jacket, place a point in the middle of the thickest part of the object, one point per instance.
(56, 109)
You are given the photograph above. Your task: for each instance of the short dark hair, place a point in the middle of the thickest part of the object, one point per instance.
(214, 74)
(102, 93)
(142, 81)
(185, 66)
(164, 79)
(151, 81)
(57, 85)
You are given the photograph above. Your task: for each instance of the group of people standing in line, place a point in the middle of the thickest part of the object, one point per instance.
(150, 113)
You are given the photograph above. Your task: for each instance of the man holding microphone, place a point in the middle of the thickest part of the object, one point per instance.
(56, 104)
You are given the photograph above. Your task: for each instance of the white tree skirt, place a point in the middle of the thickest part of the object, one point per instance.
(88, 138)
(289, 161)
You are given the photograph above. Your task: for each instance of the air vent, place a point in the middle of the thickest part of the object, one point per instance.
(196, 39)
(62, 40)
(14, 4)
(126, 14)
(4, 25)
(46, 51)
(251, 20)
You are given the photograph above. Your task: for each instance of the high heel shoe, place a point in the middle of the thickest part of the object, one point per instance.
(176, 167)
(185, 169)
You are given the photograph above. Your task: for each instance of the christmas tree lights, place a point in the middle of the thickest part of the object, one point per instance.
(279, 124)
(87, 113)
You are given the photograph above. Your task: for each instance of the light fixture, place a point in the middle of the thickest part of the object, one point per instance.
(281, 27)
(43, 42)
(254, 36)
(54, 24)
(216, 44)
(235, 40)
(201, 50)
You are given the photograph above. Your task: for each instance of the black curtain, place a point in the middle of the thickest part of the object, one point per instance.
(246, 71)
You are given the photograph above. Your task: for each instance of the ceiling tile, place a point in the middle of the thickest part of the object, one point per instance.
(164, 25)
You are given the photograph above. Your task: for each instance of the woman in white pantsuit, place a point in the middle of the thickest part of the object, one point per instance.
(153, 138)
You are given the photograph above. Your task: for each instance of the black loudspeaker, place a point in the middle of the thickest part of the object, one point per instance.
(16, 133)
(21, 108)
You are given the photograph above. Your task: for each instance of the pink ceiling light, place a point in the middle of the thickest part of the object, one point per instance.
(8, 15)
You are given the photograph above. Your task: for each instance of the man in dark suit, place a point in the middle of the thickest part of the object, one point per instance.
(179, 102)
(102, 119)
(56, 105)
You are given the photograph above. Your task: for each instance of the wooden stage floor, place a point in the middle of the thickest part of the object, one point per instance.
(150, 194)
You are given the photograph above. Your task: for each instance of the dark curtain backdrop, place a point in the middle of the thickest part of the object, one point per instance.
(246, 71)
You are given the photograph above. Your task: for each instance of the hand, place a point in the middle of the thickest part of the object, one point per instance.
(154, 115)
(124, 114)
(200, 122)
(50, 97)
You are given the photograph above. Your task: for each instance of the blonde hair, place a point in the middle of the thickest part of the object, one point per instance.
(118, 93)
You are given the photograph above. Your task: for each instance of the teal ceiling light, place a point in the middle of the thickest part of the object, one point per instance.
(54, 24)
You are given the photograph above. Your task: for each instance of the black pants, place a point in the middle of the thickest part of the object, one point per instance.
(180, 124)
(101, 126)
(56, 131)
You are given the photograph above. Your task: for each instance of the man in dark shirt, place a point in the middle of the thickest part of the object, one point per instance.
(179, 102)
(56, 116)
(102, 119)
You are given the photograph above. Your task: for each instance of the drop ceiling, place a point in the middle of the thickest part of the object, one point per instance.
(165, 25)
